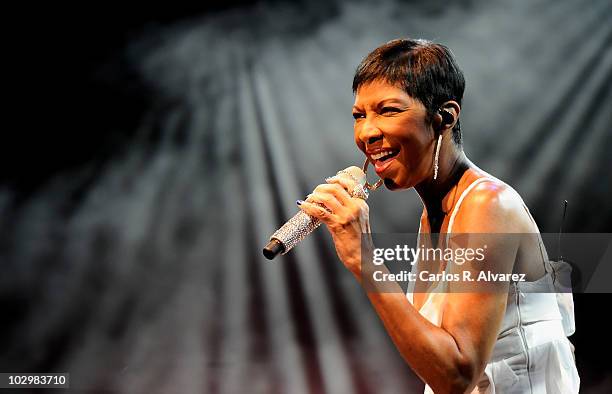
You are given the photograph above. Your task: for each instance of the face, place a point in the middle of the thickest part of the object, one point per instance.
(391, 128)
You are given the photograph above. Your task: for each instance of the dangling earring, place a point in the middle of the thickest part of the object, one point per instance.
(437, 156)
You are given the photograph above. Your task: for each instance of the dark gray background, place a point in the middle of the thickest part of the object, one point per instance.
(157, 147)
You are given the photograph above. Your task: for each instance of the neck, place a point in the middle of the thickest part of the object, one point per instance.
(432, 192)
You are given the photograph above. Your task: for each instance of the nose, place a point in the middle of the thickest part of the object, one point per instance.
(369, 134)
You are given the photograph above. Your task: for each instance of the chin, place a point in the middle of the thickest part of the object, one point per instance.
(391, 185)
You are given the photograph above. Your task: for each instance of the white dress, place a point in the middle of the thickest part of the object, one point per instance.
(532, 353)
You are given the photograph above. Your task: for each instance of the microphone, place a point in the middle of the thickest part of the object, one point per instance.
(301, 224)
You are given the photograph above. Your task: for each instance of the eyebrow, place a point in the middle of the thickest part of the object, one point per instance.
(394, 100)
(387, 101)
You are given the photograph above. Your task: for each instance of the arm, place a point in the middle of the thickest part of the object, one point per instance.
(449, 358)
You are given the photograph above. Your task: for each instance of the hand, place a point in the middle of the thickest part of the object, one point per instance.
(346, 218)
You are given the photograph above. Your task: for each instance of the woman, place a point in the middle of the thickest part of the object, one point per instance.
(407, 106)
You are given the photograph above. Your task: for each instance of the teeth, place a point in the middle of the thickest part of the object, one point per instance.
(381, 154)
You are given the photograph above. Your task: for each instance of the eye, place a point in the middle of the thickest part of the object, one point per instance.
(389, 110)
(357, 115)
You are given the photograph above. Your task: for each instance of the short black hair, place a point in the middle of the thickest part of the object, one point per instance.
(423, 69)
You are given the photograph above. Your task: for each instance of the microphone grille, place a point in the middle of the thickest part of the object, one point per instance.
(357, 173)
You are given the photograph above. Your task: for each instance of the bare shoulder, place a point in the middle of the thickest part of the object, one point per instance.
(492, 206)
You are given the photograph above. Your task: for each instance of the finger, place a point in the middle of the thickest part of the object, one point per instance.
(328, 200)
(345, 181)
(316, 211)
(336, 190)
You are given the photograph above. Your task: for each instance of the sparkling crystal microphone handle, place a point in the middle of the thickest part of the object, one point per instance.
(290, 234)
(301, 224)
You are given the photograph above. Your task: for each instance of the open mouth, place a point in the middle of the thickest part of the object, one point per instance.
(382, 159)
(384, 156)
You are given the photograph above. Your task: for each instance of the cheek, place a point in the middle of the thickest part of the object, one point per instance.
(415, 141)
(413, 137)
(358, 142)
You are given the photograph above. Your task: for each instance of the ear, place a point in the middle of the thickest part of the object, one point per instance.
(449, 118)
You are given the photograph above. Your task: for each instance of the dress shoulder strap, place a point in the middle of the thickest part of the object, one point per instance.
(540, 241)
(466, 192)
(461, 197)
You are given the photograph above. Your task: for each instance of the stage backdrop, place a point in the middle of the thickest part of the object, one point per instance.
(137, 266)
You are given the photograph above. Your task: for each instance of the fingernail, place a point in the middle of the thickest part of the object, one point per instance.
(299, 202)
